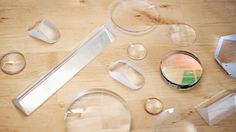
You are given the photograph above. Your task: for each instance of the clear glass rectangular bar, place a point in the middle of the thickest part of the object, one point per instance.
(218, 107)
(36, 94)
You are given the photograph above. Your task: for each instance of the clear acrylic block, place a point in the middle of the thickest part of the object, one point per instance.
(45, 30)
(127, 74)
(218, 107)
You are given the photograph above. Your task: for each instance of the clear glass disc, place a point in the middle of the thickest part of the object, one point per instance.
(98, 110)
(182, 34)
(134, 16)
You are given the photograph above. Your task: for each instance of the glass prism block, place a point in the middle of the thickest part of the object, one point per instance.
(127, 74)
(225, 54)
(218, 107)
(44, 30)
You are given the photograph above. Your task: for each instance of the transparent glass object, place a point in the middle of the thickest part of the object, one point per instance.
(127, 74)
(225, 54)
(98, 110)
(134, 16)
(182, 34)
(38, 92)
(13, 62)
(136, 51)
(218, 107)
(171, 120)
(181, 70)
(153, 106)
(44, 30)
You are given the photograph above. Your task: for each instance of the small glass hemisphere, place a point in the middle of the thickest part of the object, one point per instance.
(13, 63)
(153, 106)
(136, 51)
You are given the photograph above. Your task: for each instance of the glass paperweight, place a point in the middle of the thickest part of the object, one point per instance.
(13, 63)
(225, 54)
(218, 107)
(127, 74)
(182, 34)
(171, 120)
(136, 51)
(98, 110)
(134, 16)
(44, 30)
(153, 106)
(181, 70)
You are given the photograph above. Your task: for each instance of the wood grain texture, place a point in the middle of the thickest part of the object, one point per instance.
(75, 20)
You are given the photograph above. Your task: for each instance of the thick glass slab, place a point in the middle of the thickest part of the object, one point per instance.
(127, 74)
(218, 107)
(37, 93)
(44, 30)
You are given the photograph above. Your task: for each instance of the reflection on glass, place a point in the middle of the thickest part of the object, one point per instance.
(181, 69)
(98, 110)
(13, 63)
(134, 16)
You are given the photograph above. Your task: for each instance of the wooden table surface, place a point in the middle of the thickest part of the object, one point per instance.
(76, 19)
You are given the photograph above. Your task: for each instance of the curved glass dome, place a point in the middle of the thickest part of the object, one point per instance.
(172, 120)
(98, 110)
(12, 63)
